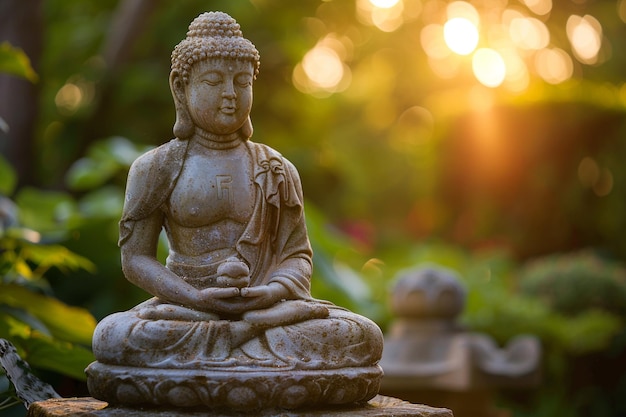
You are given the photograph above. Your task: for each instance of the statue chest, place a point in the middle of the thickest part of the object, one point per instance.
(213, 188)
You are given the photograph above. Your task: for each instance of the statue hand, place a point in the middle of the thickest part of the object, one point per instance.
(263, 296)
(217, 300)
(219, 293)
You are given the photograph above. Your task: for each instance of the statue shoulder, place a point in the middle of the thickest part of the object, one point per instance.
(167, 157)
(151, 179)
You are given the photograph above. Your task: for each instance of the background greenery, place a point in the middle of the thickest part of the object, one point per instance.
(399, 168)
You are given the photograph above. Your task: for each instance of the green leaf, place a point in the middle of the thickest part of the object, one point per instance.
(47, 256)
(119, 149)
(15, 62)
(88, 173)
(105, 202)
(46, 211)
(12, 328)
(47, 353)
(44, 351)
(64, 322)
(104, 160)
(9, 177)
(23, 317)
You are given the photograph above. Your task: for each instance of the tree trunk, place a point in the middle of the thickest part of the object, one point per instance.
(20, 25)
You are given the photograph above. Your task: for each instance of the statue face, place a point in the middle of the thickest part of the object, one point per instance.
(219, 94)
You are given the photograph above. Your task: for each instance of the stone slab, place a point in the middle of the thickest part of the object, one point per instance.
(379, 406)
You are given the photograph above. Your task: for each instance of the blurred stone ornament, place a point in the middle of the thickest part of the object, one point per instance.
(428, 357)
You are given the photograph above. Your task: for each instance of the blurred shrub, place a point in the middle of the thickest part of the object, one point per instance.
(587, 373)
(573, 283)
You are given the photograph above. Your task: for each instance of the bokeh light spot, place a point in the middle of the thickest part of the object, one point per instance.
(388, 19)
(588, 172)
(322, 70)
(489, 67)
(529, 33)
(463, 9)
(384, 4)
(539, 7)
(599, 180)
(604, 185)
(386, 15)
(585, 36)
(323, 67)
(621, 10)
(554, 65)
(445, 68)
(517, 76)
(461, 35)
(68, 98)
(433, 42)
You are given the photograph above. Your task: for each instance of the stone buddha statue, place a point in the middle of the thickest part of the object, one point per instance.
(232, 322)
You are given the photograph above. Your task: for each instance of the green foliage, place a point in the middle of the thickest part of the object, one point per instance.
(104, 160)
(15, 62)
(22, 259)
(338, 273)
(574, 283)
(9, 178)
(48, 333)
(51, 213)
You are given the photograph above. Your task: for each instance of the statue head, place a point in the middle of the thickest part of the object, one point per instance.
(212, 35)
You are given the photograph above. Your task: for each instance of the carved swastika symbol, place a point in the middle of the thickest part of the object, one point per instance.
(223, 187)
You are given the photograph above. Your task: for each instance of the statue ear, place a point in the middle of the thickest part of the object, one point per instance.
(184, 127)
(246, 130)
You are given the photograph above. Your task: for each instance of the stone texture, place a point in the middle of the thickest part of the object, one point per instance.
(379, 406)
(235, 389)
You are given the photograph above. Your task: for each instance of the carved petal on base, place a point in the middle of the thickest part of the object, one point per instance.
(236, 389)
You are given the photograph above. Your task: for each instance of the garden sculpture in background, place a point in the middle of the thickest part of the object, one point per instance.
(429, 358)
(232, 323)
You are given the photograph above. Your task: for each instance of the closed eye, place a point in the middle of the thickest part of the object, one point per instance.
(211, 82)
(243, 80)
(211, 78)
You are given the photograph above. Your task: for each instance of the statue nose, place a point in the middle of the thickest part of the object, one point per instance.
(229, 91)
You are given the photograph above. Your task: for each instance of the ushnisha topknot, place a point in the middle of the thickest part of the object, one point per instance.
(213, 35)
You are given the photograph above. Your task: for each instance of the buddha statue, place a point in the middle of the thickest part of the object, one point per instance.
(232, 322)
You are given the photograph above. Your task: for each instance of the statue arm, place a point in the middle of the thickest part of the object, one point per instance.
(141, 267)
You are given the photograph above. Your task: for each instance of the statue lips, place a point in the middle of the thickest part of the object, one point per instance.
(228, 107)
